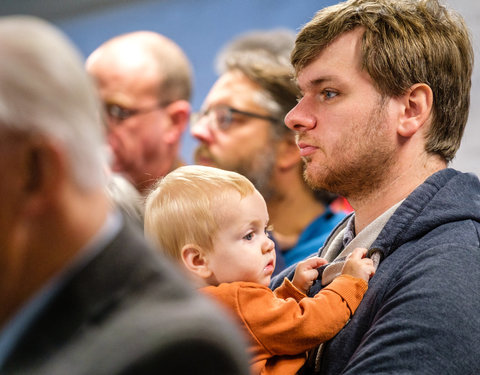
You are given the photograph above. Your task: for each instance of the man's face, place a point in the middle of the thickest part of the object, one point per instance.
(246, 145)
(343, 124)
(136, 121)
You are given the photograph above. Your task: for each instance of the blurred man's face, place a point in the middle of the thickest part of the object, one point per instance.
(343, 125)
(136, 120)
(245, 145)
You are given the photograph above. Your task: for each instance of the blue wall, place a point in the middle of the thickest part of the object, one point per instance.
(200, 27)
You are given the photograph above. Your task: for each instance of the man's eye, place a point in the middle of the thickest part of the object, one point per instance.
(122, 113)
(248, 236)
(222, 118)
(327, 94)
(118, 112)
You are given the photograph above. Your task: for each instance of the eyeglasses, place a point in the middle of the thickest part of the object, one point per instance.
(221, 117)
(118, 114)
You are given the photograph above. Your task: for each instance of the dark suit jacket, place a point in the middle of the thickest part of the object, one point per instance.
(128, 311)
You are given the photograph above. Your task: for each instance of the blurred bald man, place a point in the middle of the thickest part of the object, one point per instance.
(144, 80)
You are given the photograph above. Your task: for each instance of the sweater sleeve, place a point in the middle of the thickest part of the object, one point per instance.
(288, 327)
(287, 289)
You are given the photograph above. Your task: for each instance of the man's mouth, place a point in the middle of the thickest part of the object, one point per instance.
(306, 149)
(203, 157)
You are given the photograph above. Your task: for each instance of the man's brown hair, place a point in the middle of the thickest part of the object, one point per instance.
(405, 42)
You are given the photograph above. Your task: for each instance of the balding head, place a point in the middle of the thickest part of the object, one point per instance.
(147, 53)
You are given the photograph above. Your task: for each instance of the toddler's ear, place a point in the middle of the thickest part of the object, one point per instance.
(195, 261)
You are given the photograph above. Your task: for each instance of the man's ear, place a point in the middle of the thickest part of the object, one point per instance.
(418, 103)
(196, 261)
(43, 172)
(288, 154)
(179, 114)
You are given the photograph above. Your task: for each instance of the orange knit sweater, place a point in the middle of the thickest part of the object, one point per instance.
(282, 325)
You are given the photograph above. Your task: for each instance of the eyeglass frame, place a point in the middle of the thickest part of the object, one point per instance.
(195, 118)
(129, 112)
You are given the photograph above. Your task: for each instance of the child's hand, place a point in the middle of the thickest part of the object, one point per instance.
(357, 265)
(306, 273)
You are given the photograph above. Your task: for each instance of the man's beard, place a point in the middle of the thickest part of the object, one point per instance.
(362, 162)
(258, 168)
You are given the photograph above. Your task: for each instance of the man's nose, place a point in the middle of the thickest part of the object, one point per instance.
(201, 131)
(299, 119)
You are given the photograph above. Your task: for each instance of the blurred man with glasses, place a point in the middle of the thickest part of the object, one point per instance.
(144, 80)
(240, 128)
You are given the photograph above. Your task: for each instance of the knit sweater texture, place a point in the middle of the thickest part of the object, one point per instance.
(282, 325)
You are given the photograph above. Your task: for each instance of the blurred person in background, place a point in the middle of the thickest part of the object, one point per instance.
(81, 292)
(145, 82)
(124, 196)
(240, 128)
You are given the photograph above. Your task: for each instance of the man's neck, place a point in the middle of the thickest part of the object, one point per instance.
(291, 214)
(368, 208)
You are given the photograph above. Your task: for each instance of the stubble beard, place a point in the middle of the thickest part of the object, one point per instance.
(362, 163)
(258, 168)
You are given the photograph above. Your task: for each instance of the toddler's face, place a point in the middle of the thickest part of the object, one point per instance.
(242, 249)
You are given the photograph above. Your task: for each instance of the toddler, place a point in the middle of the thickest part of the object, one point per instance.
(214, 223)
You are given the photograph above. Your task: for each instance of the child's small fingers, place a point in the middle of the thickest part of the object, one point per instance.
(316, 262)
(358, 253)
(321, 262)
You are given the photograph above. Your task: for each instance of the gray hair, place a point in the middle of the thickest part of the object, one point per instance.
(45, 91)
(264, 57)
(124, 195)
(276, 43)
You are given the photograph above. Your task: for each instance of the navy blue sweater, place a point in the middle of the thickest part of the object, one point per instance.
(420, 313)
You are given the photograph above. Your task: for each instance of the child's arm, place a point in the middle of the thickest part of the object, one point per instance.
(293, 323)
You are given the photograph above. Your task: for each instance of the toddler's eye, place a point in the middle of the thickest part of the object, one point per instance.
(248, 236)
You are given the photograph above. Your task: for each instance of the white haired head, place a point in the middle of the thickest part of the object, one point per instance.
(44, 90)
